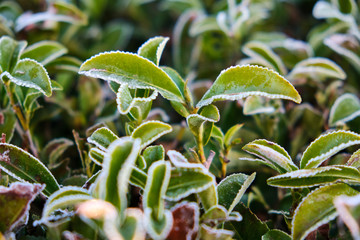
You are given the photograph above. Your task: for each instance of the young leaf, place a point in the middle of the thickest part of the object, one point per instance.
(271, 153)
(136, 71)
(326, 146)
(186, 221)
(102, 138)
(126, 102)
(97, 156)
(316, 176)
(44, 52)
(54, 149)
(209, 197)
(7, 124)
(152, 154)
(117, 167)
(260, 50)
(159, 220)
(317, 208)
(217, 214)
(345, 108)
(208, 233)
(31, 74)
(232, 188)
(354, 159)
(63, 198)
(24, 167)
(256, 105)
(150, 131)
(231, 134)
(185, 181)
(16, 200)
(138, 178)
(153, 48)
(239, 82)
(317, 68)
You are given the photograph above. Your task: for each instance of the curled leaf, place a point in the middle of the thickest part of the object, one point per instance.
(102, 138)
(150, 131)
(153, 48)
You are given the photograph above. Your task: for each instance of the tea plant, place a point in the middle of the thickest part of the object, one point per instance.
(217, 147)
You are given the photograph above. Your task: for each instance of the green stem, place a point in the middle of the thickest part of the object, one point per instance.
(23, 121)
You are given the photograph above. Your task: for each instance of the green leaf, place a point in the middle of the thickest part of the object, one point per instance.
(97, 156)
(318, 69)
(150, 131)
(218, 214)
(317, 176)
(152, 154)
(159, 219)
(44, 51)
(317, 208)
(246, 229)
(201, 124)
(24, 167)
(31, 74)
(102, 138)
(354, 159)
(346, 6)
(7, 125)
(230, 135)
(208, 233)
(260, 50)
(186, 181)
(133, 225)
(232, 188)
(218, 135)
(272, 154)
(256, 105)
(138, 178)
(345, 108)
(239, 82)
(326, 146)
(347, 46)
(54, 149)
(275, 234)
(16, 200)
(209, 197)
(138, 107)
(10, 53)
(136, 71)
(152, 49)
(63, 198)
(117, 167)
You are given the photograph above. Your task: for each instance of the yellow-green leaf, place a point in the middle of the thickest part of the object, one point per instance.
(345, 108)
(153, 48)
(150, 131)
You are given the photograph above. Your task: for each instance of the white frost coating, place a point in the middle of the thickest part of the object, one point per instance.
(98, 152)
(27, 83)
(90, 140)
(346, 96)
(324, 9)
(271, 154)
(156, 136)
(134, 101)
(62, 202)
(114, 77)
(159, 49)
(319, 159)
(191, 190)
(241, 191)
(30, 156)
(239, 96)
(333, 150)
(180, 161)
(342, 204)
(158, 111)
(140, 231)
(196, 209)
(165, 231)
(262, 161)
(341, 50)
(315, 226)
(256, 61)
(217, 232)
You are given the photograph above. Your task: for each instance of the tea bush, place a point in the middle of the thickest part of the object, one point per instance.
(245, 127)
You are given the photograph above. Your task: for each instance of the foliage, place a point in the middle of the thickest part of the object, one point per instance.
(224, 125)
